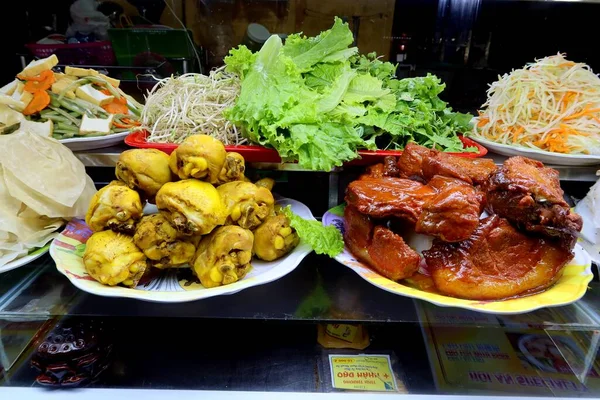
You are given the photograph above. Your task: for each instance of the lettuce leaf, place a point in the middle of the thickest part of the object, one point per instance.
(326, 240)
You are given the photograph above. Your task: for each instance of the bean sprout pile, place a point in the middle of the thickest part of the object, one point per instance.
(190, 104)
(552, 104)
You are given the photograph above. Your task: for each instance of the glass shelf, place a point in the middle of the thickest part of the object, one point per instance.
(319, 290)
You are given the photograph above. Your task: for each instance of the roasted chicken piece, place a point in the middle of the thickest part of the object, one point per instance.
(191, 206)
(274, 238)
(199, 156)
(267, 183)
(247, 205)
(223, 256)
(164, 246)
(388, 168)
(453, 213)
(379, 247)
(115, 207)
(144, 170)
(418, 162)
(389, 197)
(529, 195)
(233, 168)
(113, 259)
(496, 262)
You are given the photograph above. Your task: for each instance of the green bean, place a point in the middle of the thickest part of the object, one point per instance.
(65, 134)
(66, 127)
(104, 83)
(73, 85)
(57, 118)
(89, 106)
(67, 116)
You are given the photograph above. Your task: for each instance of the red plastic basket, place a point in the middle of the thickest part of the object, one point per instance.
(95, 53)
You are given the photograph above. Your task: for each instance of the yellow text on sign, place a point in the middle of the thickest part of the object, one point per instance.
(364, 372)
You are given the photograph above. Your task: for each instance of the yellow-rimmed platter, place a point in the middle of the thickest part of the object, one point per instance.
(175, 285)
(569, 288)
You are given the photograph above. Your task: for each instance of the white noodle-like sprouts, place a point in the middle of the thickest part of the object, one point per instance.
(552, 104)
(190, 104)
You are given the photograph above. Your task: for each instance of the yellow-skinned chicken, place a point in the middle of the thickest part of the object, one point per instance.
(112, 259)
(247, 205)
(199, 156)
(145, 170)
(162, 243)
(233, 169)
(115, 207)
(267, 183)
(274, 238)
(191, 206)
(223, 256)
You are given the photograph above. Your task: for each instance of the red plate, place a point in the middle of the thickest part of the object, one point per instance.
(262, 154)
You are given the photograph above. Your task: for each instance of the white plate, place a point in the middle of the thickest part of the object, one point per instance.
(19, 262)
(544, 156)
(94, 142)
(569, 288)
(167, 286)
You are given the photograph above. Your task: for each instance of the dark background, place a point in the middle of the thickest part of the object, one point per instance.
(467, 43)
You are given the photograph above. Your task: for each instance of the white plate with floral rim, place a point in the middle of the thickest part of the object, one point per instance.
(176, 285)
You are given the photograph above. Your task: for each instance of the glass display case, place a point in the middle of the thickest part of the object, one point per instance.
(322, 328)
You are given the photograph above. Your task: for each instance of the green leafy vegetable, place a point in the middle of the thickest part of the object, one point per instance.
(323, 239)
(316, 101)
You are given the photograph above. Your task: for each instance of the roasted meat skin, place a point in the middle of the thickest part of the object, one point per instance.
(496, 262)
(453, 213)
(421, 163)
(528, 194)
(389, 197)
(388, 168)
(379, 247)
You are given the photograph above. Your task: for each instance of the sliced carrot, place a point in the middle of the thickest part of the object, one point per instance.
(40, 100)
(34, 86)
(42, 76)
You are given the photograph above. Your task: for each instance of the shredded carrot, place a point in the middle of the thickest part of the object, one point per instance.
(40, 100)
(516, 133)
(482, 122)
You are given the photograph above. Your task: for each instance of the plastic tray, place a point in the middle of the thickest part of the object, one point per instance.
(262, 154)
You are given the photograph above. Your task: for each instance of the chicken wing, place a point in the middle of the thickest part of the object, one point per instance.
(164, 246)
(274, 238)
(529, 195)
(496, 262)
(113, 259)
(389, 197)
(223, 256)
(191, 206)
(144, 170)
(115, 207)
(418, 162)
(247, 204)
(199, 156)
(379, 247)
(453, 213)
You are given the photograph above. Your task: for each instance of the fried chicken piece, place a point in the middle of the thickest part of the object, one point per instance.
(496, 262)
(389, 197)
(199, 156)
(274, 238)
(379, 247)
(418, 162)
(223, 256)
(233, 168)
(115, 207)
(113, 259)
(191, 206)
(246, 204)
(453, 213)
(164, 246)
(144, 170)
(528, 194)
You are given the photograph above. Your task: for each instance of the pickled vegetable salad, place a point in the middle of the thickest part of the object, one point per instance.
(317, 101)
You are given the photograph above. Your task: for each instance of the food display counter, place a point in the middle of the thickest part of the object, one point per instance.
(300, 199)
